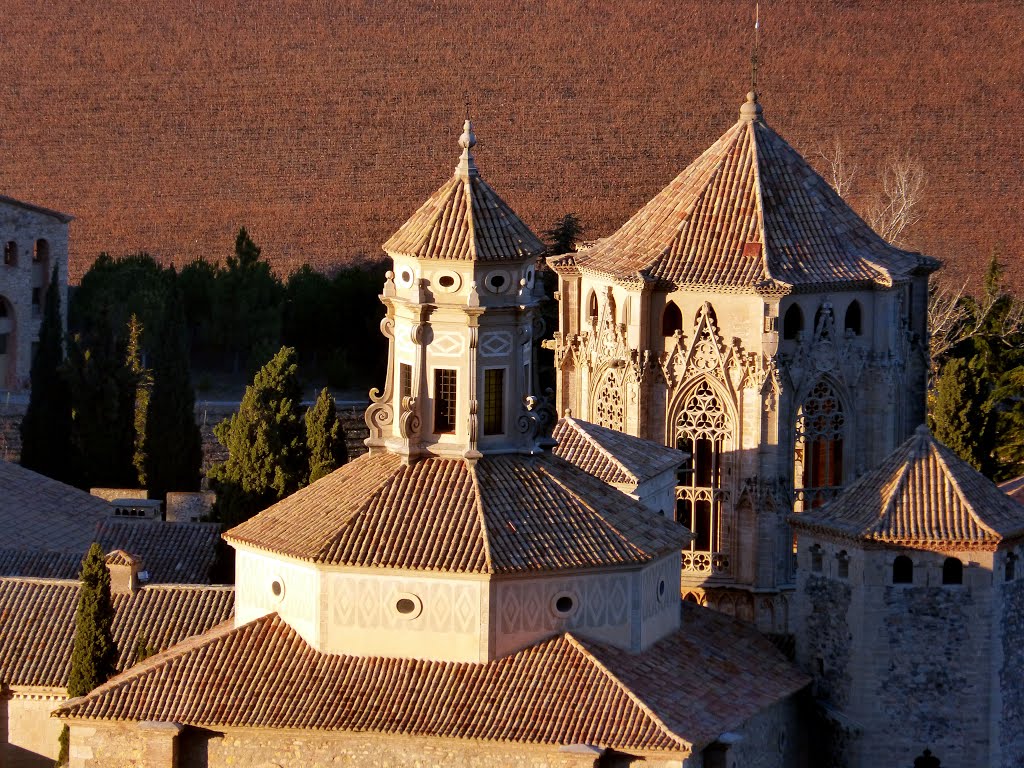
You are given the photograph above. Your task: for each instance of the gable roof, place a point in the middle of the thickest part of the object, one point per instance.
(924, 496)
(503, 514)
(465, 219)
(64, 218)
(561, 691)
(37, 624)
(750, 212)
(612, 456)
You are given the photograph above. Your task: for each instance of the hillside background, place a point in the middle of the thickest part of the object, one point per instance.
(320, 126)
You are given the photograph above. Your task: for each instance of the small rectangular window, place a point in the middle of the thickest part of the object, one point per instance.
(494, 401)
(11, 254)
(445, 394)
(36, 296)
(404, 381)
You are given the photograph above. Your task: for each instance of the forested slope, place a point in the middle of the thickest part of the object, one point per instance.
(320, 126)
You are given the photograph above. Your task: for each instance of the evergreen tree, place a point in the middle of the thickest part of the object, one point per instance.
(143, 379)
(325, 437)
(175, 452)
(266, 442)
(143, 650)
(960, 416)
(564, 235)
(103, 412)
(94, 654)
(46, 427)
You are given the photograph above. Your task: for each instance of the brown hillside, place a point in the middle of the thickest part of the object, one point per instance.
(322, 125)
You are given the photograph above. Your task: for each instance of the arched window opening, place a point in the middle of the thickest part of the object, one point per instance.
(1011, 567)
(816, 559)
(819, 447)
(3, 309)
(607, 408)
(11, 253)
(952, 571)
(41, 252)
(592, 306)
(671, 320)
(792, 322)
(702, 429)
(843, 565)
(852, 322)
(902, 570)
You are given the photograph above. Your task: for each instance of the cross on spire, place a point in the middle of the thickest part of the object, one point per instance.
(757, 41)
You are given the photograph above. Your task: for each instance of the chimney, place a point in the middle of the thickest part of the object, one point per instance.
(124, 572)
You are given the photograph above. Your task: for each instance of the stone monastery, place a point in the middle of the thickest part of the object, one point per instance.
(488, 587)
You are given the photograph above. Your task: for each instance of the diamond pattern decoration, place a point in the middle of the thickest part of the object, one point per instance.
(496, 344)
(447, 345)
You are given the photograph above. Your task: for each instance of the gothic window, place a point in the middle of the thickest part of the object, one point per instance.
(852, 322)
(952, 571)
(701, 430)
(592, 305)
(819, 447)
(445, 397)
(494, 401)
(671, 320)
(792, 322)
(902, 570)
(607, 408)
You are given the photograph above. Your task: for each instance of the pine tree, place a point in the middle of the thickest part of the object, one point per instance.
(564, 235)
(94, 654)
(175, 452)
(46, 427)
(960, 416)
(143, 379)
(266, 442)
(325, 437)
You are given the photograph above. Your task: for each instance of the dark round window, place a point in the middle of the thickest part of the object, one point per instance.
(497, 281)
(405, 606)
(446, 281)
(277, 588)
(406, 276)
(563, 604)
(661, 588)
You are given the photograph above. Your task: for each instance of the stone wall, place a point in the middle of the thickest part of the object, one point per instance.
(774, 738)
(1011, 725)
(116, 745)
(826, 641)
(28, 735)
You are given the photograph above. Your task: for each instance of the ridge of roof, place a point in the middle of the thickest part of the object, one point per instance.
(922, 495)
(65, 218)
(626, 459)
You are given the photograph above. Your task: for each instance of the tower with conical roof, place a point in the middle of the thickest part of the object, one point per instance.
(748, 316)
(910, 614)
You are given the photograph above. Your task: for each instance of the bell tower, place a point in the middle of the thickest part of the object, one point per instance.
(462, 306)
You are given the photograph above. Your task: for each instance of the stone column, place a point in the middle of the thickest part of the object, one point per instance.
(159, 744)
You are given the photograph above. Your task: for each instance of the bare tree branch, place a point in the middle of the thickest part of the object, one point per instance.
(839, 173)
(903, 181)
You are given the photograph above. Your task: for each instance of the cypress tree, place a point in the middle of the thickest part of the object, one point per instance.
(266, 442)
(175, 452)
(960, 414)
(143, 379)
(46, 426)
(325, 437)
(94, 653)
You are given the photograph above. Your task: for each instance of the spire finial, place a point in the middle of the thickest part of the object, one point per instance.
(757, 43)
(467, 141)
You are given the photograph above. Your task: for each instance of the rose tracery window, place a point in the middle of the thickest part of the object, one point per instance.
(702, 430)
(607, 408)
(819, 447)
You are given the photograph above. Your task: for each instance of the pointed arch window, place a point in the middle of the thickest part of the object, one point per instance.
(702, 430)
(792, 322)
(852, 320)
(607, 410)
(592, 306)
(671, 320)
(819, 447)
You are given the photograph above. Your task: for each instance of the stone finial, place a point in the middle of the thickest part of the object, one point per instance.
(751, 110)
(922, 431)
(467, 141)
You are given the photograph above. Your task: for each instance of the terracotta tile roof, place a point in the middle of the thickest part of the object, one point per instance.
(923, 496)
(465, 219)
(37, 624)
(750, 211)
(1014, 489)
(38, 513)
(172, 553)
(610, 455)
(31, 563)
(504, 514)
(561, 691)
